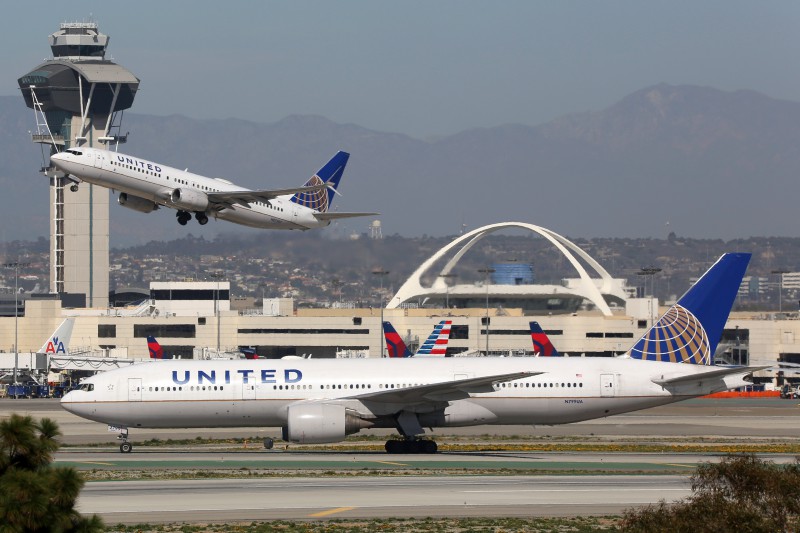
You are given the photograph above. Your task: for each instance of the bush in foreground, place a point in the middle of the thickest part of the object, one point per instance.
(741, 494)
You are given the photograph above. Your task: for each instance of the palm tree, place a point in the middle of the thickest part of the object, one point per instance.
(34, 496)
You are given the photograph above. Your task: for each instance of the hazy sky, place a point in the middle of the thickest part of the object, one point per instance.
(423, 68)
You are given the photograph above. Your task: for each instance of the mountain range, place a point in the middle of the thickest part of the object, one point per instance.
(692, 160)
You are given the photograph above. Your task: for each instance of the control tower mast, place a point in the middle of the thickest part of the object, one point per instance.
(78, 98)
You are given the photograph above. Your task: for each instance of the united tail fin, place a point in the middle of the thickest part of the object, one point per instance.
(691, 329)
(394, 343)
(330, 174)
(58, 342)
(542, 346)
(436, 343)
(156, 351)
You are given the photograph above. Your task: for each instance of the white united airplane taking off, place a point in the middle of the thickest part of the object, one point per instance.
(144, 186)
(318, 401)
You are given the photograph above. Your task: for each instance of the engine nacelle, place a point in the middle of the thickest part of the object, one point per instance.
(319, 423)
(189, 199)
(136, 203)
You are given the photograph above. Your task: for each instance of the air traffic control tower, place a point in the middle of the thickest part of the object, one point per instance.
(78, 98)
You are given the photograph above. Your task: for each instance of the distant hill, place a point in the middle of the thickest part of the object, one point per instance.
(694, 160)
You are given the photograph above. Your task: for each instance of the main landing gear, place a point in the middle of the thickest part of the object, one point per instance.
(74, 187)
(411, 445)
(268, 443)
(184, 217)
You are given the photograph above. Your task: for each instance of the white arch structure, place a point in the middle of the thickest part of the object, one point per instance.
(587, 287)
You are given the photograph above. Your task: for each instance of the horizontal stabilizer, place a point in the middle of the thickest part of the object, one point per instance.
(329, 215)
(717, 373)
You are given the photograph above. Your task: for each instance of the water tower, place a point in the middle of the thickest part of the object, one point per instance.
(78, 98)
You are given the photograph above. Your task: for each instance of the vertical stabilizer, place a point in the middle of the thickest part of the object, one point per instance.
(58, 342)
(321, 200)
(436, 343)
(541, 342)
(690, 330)
(394, 343)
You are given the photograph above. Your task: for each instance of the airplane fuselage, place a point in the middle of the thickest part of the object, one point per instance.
(239, 393)
(144, 185)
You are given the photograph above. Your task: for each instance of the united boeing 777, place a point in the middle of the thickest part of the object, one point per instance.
(319, 401)
(144, 186)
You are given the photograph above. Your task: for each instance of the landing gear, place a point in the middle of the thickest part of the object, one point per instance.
(183, 217)
(201, 218)
(74, 187)
(125, 446)
(408, 446)
(268, 443)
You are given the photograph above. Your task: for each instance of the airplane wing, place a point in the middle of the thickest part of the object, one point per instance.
(331, 215)
(245, 197)
(717, 373)
(444, 391)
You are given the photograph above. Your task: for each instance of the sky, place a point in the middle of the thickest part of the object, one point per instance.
(421, 68)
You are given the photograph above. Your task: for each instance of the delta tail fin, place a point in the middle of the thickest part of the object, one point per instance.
(156, 351)
(394, 343)
(542, 346)
(320, 200)
(58, 342)
(436, 343)
(691, 329)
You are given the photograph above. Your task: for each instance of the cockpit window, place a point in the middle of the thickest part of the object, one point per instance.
(74, 152)
(88, 387)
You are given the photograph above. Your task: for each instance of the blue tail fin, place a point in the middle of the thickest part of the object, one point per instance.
(690, 330)
(541, 342)
(331, 173)
(394, 343)
(156, 351)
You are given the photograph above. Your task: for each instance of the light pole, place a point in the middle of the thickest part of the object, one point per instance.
(16, 266)
(651, 272)
(486, 272)
(780, 274)
(217, 276)
(447, 288)
(381, 273)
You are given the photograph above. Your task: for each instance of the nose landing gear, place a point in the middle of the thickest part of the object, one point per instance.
(125, 446)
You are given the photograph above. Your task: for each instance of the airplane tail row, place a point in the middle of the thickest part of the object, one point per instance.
(435, 345)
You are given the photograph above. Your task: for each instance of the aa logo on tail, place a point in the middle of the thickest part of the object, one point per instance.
(55, 346)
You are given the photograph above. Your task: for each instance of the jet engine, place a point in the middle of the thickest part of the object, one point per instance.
(136, 203)
(189, 199)
(319, 423)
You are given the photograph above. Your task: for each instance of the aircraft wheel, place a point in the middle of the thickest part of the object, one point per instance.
(268, 443)
(429, 446)
(182, 221)
(74, 187)
(394, 446)
(126, 447)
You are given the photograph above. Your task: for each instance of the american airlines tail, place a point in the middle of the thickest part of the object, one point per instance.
(321, 199)
(434, 345)
(542, 346)
(58, 343)
(690, 330)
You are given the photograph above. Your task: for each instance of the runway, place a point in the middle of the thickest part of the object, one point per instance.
(308, 483)
(400, 497)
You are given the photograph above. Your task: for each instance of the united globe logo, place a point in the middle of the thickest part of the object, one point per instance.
(678, 337)
(317, 200)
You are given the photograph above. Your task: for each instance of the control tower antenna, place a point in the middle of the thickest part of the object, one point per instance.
(76, 97)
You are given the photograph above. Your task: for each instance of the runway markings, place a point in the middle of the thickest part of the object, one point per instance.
(94, 463)
(332, 511)
(391, 463)
(682, 466)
